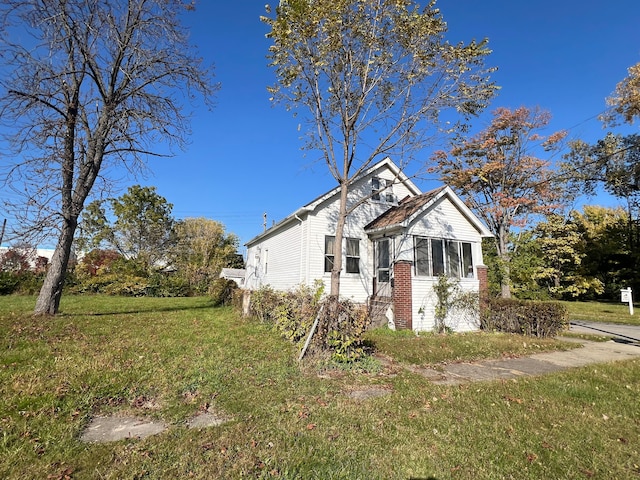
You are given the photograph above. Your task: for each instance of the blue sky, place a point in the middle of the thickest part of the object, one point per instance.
(244, 156)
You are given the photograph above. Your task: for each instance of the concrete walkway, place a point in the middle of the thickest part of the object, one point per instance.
(539, 364)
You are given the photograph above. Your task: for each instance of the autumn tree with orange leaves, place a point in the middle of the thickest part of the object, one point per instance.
(504, 173)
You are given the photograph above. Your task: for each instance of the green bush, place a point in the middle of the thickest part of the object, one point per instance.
(222, 291)
(9, 282)
(21, 283)
(538, 319)
(167, 285)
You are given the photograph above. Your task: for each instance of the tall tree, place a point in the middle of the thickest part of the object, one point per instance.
(376, 78)
(86, 85)
(499, 174)
(202, 250)
(605, 248)
(138, 225)
(625, 100)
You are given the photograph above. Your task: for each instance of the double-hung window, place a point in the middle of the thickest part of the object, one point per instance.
(329, 247)
(381, 190)
(352, 254)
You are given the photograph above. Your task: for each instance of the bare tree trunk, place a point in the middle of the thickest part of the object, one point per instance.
(505, 266)
(337, 248)
(51, 292)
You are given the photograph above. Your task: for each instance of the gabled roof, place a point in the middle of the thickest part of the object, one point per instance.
(311, 206)
(411, 207)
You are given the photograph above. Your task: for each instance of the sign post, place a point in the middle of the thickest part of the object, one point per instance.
(626, 296)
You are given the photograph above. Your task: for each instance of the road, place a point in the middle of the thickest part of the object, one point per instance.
(624, 333)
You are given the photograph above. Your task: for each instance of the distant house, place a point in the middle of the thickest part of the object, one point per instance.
(397, 242)
(38, 258)
(235, 274)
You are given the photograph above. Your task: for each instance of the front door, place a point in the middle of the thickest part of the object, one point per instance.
(383, 268)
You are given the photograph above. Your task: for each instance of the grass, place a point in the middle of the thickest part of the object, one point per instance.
(113, 355)
(606, 312)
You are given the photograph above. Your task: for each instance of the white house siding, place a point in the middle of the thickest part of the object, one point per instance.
(443, 220)
(281, 254)
(425, 300)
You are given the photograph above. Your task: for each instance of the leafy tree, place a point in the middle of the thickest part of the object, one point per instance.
(202, 250)
(139, 227)
(97, 261)
(376, 77)
(499, 174)
(98, 84)
(561, 248)
(14, 260)
(614, 161)
(625, 101)
(605, 247)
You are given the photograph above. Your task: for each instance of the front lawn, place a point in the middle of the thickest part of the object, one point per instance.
(606, 312)
(171, 358)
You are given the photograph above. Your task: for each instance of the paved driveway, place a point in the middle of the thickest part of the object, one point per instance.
(624, 333)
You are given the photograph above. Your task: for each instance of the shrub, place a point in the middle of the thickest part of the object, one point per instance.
(340, 324)
(222, 291)
(539, 319)
(9, 282)
(167, 285)
(341, 327)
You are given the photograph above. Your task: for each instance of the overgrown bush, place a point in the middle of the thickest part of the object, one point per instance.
(222, 291)
(341, 328)
(340, 324)
(167, 285)
(539, 319)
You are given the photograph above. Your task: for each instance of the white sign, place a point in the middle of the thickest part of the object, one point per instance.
(627, 297)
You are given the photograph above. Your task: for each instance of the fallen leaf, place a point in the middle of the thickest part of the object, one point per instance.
(588, 473)
(311, 426)
(532, 457)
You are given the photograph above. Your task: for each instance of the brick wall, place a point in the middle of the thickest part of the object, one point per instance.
(402, 295)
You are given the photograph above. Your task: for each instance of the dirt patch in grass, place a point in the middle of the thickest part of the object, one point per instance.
(369, 392)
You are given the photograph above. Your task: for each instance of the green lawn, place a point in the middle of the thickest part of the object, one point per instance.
(170, 358)
(607, 312)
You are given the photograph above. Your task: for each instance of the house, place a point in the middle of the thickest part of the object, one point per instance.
(235, 274)
(398, 241)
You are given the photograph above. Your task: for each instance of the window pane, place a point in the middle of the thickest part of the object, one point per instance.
(329, 243)
(353, 265)
(353, 255)
(375, 188)
(328, 263)
(383, 276)
(467, 260)
(422, 256)
(383, 254)
(437, 260)
(453, 255)
(353, 247)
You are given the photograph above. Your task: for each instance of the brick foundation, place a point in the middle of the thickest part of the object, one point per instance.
(484, 285)
(402, 295)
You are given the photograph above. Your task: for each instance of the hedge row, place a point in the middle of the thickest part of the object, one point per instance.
(538, 319)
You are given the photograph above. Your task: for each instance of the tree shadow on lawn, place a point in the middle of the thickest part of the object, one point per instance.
(136, 311)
